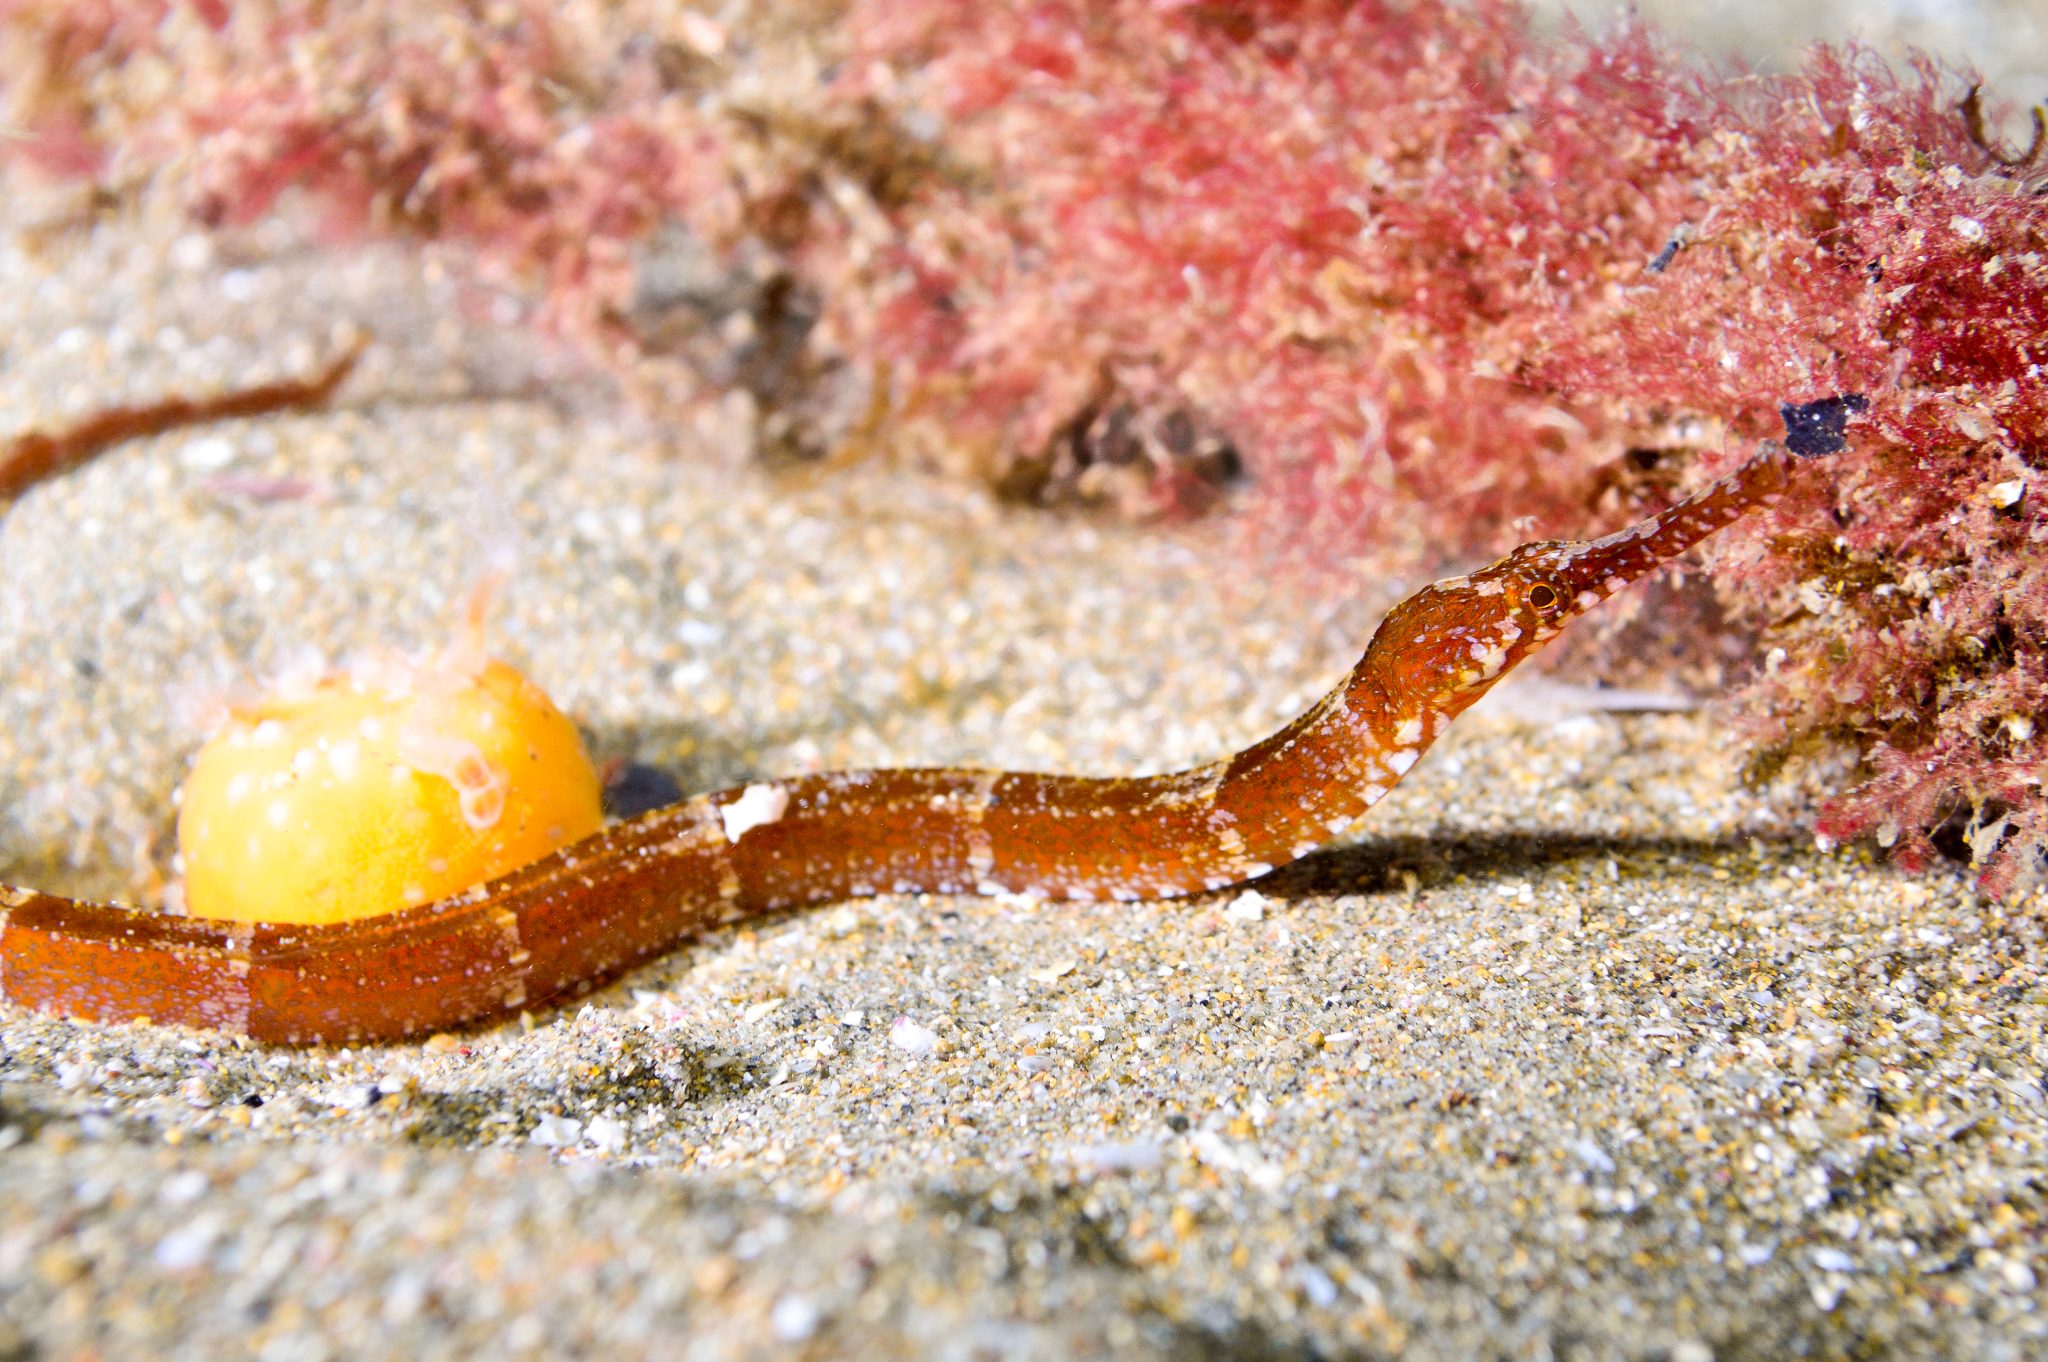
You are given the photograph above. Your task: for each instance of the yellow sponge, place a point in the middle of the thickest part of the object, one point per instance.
(380, 788)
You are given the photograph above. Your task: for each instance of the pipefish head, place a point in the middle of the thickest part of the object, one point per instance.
(1449, 643)
(1445, 646)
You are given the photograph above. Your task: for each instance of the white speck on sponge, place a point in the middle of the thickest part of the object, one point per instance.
(757, 804)
(345, 758)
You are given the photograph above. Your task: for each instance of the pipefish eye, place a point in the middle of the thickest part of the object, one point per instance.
(1544, 598)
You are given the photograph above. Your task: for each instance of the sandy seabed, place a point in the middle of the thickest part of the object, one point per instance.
(1578, 1050)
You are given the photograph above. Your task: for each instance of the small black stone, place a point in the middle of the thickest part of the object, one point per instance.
(637, 788)
(1814, 429)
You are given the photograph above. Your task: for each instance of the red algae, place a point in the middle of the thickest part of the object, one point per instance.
(1415, 259)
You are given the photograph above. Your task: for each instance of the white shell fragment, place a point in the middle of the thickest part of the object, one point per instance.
(912, 1039)
(1250, 906)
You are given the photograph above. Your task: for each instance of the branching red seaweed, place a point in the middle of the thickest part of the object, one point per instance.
(1413, 257)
